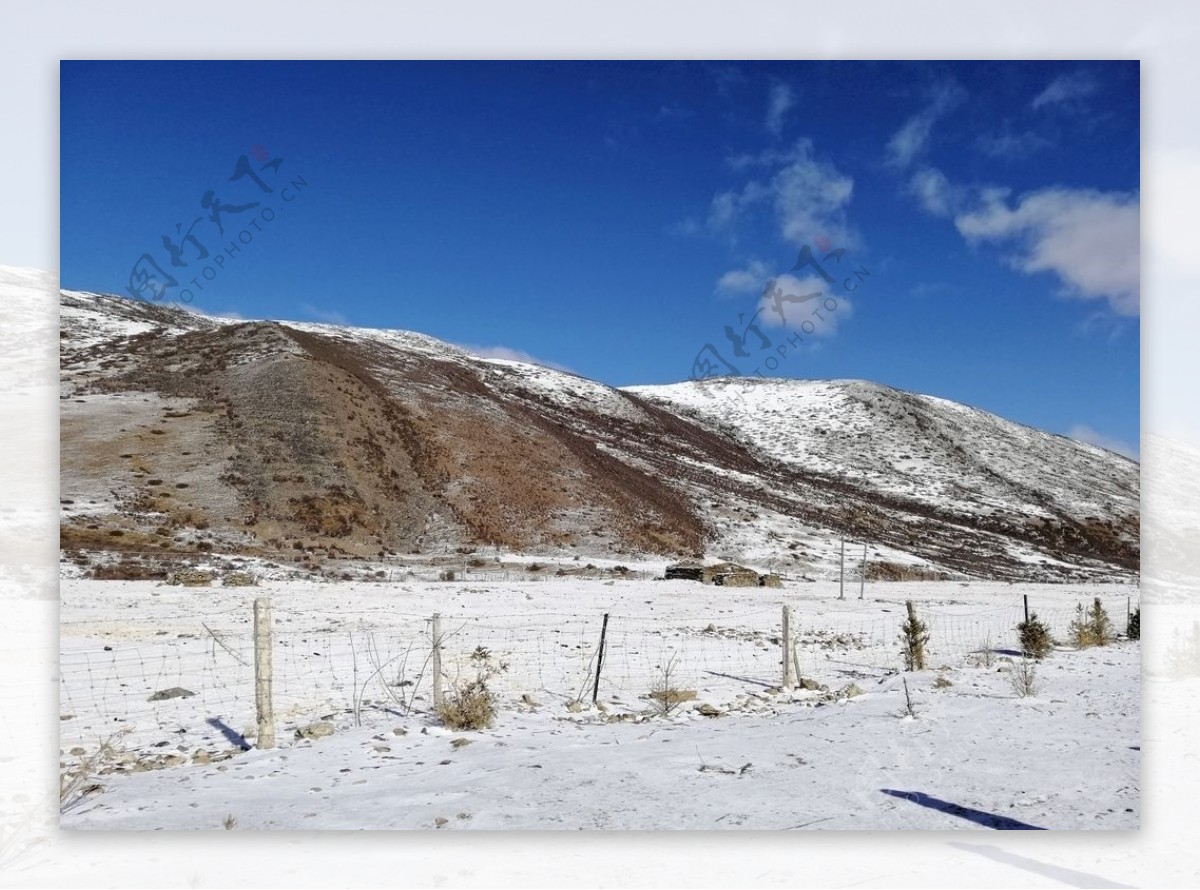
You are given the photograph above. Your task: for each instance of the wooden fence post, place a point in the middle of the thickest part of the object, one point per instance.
(262, 674)
(789, 677)
(600, 658)
(437, 661)
(1026, 598)
(862, 573)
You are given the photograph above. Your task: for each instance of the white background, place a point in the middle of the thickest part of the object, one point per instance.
(32, 850)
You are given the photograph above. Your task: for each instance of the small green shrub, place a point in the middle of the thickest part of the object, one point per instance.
(914, 636)
(1036, 642)
(1133, 628)
(1091, 627)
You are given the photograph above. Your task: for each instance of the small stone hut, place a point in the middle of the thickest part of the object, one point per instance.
(722, 574)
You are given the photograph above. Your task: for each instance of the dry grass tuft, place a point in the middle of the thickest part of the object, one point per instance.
(469, 706)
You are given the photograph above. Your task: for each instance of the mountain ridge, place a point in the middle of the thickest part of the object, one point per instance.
(184, 433)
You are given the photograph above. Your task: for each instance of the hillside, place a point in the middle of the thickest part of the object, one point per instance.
(184, 434)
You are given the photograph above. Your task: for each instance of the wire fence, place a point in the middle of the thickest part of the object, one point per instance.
(185, 681)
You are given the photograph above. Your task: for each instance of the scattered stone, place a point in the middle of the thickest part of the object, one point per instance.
(707, 710)
(809, 684)
(575, 707)
(190, 578)
(439, 822)
(528, 701)
(317, 730)
(77, 751)
(173, 692)
(459, 743)
(201, 757)
(399, 730)
(850, 691)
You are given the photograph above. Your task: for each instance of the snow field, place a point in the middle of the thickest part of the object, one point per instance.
(357, 656)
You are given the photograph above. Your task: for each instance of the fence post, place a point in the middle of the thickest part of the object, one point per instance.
(862, 573)
(437, 661)
(1026, 598)
(842, 577)
(262, 674)
(789, 678)
(600, 658)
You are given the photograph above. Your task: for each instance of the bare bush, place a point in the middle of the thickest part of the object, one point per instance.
(909, 709)
(1024, 677)
(667, 697)
(78, 781)
(470, 706)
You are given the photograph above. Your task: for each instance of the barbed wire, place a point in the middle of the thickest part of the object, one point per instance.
(193, 684)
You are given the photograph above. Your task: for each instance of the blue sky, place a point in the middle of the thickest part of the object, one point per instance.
(614, 218)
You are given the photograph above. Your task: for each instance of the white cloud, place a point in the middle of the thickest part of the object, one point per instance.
(727, 208)
(513, 355)
(746, 280)
(233, 314)
(1085, 433)
(1089, 239)
(804, 305)
(808, 196)
(779, 104)
(912, 139)
(936, 194)
(328, 316)
(1066, 88)
(1011, 146)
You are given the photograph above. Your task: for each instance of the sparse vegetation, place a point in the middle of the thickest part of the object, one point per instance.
(1133, 627)
(986, 654)
(909, 709)
(1184, 658)
(882, 570)
(79, 781)
(666, 696)
(914, 636)
(1036, 642)
(1091, 627)
(470, 705)
(1024, 677)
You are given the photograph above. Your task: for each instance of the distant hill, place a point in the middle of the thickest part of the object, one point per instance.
(183, 433)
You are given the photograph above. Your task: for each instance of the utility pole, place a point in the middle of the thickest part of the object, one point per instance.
(862, 573)
(842, 581)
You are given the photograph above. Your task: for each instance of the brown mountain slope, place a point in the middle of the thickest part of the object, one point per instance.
(183, 433)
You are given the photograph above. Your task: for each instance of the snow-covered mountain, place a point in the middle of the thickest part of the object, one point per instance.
(182, 432)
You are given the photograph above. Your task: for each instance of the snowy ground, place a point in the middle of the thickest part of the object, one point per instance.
(976, 755)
